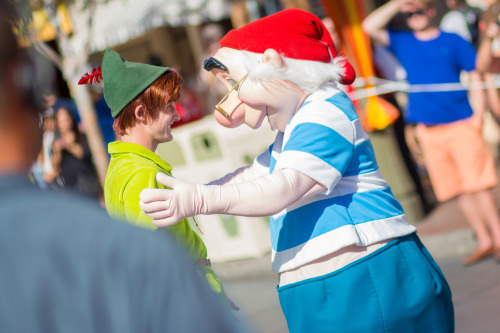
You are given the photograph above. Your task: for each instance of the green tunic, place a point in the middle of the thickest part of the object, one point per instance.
(133, 168)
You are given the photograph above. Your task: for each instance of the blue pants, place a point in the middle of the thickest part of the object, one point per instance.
(398, 288)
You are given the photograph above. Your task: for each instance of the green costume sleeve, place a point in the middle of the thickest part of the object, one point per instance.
(144, 178)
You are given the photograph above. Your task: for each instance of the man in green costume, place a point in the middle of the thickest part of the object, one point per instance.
(141, 98)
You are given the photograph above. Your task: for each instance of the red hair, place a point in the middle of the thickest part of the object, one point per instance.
(164, 90)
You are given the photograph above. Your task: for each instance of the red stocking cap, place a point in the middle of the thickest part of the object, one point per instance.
(294, 33)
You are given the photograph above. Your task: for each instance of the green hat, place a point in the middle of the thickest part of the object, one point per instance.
(125, 80)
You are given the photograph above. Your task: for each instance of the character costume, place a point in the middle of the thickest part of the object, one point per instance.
(133, 167)
(69, 274)
(347, 259)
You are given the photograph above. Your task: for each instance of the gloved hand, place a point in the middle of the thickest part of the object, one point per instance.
(169, 206)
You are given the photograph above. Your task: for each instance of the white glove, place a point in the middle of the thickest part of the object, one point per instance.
(169, 206)
(263, 196)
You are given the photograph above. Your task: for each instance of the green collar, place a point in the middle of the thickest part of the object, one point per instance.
(118, 148)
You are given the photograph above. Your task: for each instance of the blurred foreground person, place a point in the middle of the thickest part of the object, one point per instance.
(65, 266)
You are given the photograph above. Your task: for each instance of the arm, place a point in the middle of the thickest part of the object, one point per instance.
(374, 24)
(57, 147)
(76, 150)
(143, 178)
(485, 54)
(413, 145)
(266, 195)
(74, 147)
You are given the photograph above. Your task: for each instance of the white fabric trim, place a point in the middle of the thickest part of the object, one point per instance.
(329, 263)
(315, 113)
(362, 234)
(327, 90)
(359, 132)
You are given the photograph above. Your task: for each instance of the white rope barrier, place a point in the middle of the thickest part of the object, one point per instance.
(382, 86)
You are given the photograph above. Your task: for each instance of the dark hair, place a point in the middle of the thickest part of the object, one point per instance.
(74, 123)
(164, 90)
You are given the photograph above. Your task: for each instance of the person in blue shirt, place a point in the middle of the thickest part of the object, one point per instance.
(103, 113)
(459, 163)
(346, 257)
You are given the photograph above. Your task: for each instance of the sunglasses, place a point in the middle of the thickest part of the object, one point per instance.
(419, 12)
(218, 107)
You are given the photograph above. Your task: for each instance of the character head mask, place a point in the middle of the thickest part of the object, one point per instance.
(290, 50)
(294, 34)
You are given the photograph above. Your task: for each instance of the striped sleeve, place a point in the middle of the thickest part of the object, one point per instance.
(319, 142)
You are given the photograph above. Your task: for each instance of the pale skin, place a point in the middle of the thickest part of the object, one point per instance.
(149, 133)
(250, 104)
(488, 62)
(479, 207)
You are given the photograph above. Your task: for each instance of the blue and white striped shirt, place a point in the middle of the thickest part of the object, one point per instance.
(325, 141)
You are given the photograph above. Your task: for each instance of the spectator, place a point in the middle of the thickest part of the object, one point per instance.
(468, 21)
(459, 162)
(54, 102)
(42, 170)
(463, 20)
(71, 157)
(488, 55)
(65, 265)
(103, 114)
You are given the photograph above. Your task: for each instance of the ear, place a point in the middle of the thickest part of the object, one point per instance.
(270, 55)
(140, 113)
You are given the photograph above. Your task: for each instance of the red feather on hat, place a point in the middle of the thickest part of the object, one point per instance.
(94, 77)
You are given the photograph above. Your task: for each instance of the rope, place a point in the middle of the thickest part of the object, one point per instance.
(382, 86)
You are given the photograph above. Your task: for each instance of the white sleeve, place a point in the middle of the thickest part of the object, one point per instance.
(262, 196)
